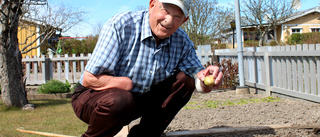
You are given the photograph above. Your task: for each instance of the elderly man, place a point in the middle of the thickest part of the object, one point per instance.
(144, 65)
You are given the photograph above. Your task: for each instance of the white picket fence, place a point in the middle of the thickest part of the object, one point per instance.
(40, 70)
(288, 70)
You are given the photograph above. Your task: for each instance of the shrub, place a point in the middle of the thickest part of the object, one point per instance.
(54, 86)
(74, 86)
(304, 38)
(311, 38)
(295, 38)
(230, 73)
(273, 43)
(251, 43)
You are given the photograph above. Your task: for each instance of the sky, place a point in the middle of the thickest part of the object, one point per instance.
(98, 11)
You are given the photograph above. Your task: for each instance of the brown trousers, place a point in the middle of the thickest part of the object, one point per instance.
(107, 111)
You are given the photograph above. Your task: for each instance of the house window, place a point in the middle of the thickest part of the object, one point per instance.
(315, 29)
(251, 36)
(296, 30)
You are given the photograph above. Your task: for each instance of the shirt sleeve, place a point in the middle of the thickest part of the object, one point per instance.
(190, 63)
(105, 54)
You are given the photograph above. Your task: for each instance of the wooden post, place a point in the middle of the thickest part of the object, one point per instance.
(66, 67)
(28, 69)
(35, 68)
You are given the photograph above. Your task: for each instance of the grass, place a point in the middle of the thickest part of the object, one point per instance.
(57, 116)
(215, 104)
(53, 116)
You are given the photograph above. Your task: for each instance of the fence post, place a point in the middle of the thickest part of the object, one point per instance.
(59, 67)
(267, 65)
(66, 67)
(47, 69)
(28, 69)
(74, 69)
(81, 63)
(35, 68)
(44, 66)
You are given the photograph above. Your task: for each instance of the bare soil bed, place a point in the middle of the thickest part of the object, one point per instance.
(244, 115)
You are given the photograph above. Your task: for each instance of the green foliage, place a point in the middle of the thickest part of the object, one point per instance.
(273, 43)
(311, 38)
(54, 86)
(74, 46)
(251, 43)
(295, 38)
(73, 87)
(304, 38)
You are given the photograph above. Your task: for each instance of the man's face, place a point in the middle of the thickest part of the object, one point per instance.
(165, 19)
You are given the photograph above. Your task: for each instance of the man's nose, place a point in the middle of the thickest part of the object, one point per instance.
(169, 20)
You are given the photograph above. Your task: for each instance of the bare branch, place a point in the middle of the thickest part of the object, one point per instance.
(48, 20)
(47, 35)
(265, 15)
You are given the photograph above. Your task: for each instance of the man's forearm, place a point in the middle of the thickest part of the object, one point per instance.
(101, 82)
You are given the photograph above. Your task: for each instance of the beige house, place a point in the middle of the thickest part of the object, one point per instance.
(300, 22)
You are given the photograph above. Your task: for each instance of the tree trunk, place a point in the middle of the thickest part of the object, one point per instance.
(261, 38)
(12, 83)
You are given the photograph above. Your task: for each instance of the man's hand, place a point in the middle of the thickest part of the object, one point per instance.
(213, 72)
(101, 82)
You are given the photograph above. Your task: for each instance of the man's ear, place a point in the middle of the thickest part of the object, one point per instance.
(186, 19)
(152, 4)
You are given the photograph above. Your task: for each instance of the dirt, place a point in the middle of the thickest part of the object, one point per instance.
(281, 112)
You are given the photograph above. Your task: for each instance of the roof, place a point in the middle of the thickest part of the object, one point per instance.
(302, 13)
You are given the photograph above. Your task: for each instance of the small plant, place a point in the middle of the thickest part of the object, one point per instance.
(54, 86)
(230, 73)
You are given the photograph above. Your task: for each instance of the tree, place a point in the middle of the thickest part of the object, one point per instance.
(51, 19)
(266, 15)
(11, 13)
(223, 18)
(12, 84)
(206, 21)
(200, 23)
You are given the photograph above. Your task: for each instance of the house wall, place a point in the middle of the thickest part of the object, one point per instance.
(27, 34)
(305, 23)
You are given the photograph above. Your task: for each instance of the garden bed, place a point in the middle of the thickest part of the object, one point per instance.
(226, 109)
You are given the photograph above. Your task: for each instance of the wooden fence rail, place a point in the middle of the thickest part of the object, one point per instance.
(40, 70)
(287, 70)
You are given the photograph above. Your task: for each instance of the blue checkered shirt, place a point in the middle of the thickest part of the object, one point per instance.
(127, 48)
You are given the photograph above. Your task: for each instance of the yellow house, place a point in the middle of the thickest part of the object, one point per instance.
(301, 22)
(29, 34)
(305, 21)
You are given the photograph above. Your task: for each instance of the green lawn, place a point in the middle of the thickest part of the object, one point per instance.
(57, 116)
(53, 116)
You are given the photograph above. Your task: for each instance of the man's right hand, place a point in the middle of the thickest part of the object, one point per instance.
(102, 82)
